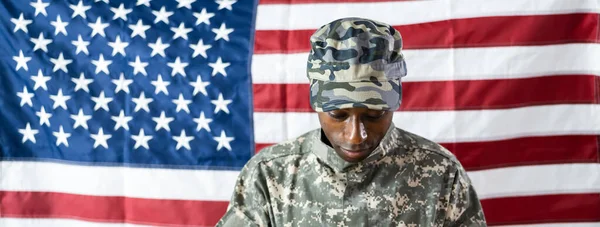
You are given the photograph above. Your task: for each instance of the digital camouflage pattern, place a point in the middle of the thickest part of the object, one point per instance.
(355, 62)
(407, 181)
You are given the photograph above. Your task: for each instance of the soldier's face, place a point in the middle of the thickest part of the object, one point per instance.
(355, 132)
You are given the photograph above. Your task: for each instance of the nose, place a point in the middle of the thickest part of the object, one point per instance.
(356, 132)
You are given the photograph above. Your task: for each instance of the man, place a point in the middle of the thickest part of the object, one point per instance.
(358, 169)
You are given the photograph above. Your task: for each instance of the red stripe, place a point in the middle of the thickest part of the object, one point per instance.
(521, 151)
(471, 32)
(265, 2)
(542, 209)
(508, 210)
(450, 95)
(111, 208)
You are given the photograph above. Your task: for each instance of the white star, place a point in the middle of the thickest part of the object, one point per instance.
(177, 67)
(98, 28)
(82, 83)
(182, 104)
(59, 26)
(41, 43)
(200, 86)
(40, 7)
(44, 116)
(161, 86)
(219, 67)
(183, 140)
(101, 64)
(20, 24)
(139, 29)
(22, 61)
(121, 120)
(225, 4)
(138, 66)
(80, 119)
(60, 100)
(141, 139)
(142, 103)
(81, 45)
(221, 104)
(101, 101)
(40, 80)
(61, 137)
(100, 138)
(122, 84)
(60, 63)
(222, 32)
(25, 97)
(185, 3)
(181, 31)
(162, 15)
(162, 122)
(203, 17)
(200, 48)
(118, 46)
(202, 122)
(120, 12)
(79, 9)
(158, 47)
(105, 1)
(28, 133)
(223, 141)
(143, 2)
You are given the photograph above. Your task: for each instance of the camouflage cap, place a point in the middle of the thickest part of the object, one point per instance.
(355, 62)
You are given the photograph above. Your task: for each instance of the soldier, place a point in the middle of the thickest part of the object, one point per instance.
(358, 169)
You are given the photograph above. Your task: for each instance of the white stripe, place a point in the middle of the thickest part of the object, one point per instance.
(154, 183)
(294, 16)
(454, 126)
(583, 224)
(56, 222)
(455, 64)
(537, 180)
(57, 177)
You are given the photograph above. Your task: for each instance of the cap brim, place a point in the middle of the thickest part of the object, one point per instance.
(376, 95)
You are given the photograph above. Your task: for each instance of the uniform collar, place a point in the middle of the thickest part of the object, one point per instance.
(328, 155)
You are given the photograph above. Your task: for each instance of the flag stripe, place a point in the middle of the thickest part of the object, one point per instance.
(526, 151)
(543, 209)
(153, 183)
(521, 151)
(293, 16)
(531, 209)
(58, 222)
(468, 32)
(264, 2)
(455, 64)
(112, 208)
(455, 126)
(451, 95)
(515, 181)
(543, 180)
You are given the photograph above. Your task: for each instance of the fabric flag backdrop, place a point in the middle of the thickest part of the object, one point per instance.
(141, 113)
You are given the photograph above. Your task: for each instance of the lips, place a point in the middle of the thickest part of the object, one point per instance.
(355, 153)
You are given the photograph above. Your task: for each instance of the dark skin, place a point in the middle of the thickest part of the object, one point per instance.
(355, 132)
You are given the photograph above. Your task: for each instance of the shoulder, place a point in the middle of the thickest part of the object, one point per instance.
(296, 148)
(415, 143)
(427, 155)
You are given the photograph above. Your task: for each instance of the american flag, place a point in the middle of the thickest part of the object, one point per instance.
(141, 113)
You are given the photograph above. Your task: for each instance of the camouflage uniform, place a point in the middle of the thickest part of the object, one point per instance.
(407, 180)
